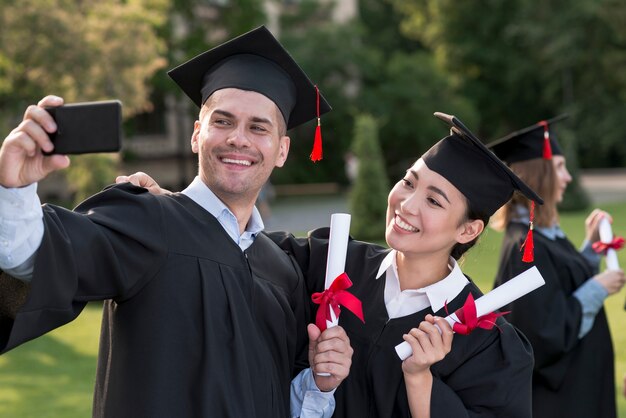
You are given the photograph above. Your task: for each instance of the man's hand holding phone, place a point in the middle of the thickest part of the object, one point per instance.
(22, 155)
(21, 159)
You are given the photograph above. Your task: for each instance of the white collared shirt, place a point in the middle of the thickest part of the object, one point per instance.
(401, 303)
(203, 196)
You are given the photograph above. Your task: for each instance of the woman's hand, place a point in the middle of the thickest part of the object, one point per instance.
(429, 345)
(592, 224)
(143, 180)
(611, 280)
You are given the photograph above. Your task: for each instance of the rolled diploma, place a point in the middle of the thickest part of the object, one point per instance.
(606, 236)
(502, 295)
(337, 250)
(336, 258)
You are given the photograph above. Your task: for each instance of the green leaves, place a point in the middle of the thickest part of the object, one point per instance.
(81, 50)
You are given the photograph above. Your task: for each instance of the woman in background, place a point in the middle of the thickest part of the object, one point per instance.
(564, 319)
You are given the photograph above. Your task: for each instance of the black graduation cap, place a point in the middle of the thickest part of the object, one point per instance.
(535, 141)
(254, 61)
(465, 161)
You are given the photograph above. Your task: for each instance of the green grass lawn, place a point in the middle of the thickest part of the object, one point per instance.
(53, 376)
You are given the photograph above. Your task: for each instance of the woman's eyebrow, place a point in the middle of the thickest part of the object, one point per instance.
(431, 188)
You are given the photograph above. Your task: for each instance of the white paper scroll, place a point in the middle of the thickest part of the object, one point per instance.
(502, 295)
(606, 236)
(337, 250)
(336, 259)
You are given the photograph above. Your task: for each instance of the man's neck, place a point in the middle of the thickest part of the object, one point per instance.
(241, 206)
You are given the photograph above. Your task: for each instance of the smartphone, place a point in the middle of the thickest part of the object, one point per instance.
(87, 127)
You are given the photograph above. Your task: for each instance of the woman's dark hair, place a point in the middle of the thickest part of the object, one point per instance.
(470, 214)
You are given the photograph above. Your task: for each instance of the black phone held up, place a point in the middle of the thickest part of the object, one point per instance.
(87, 127)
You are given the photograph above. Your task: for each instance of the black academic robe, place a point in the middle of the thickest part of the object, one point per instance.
(192, 326)
(573, 377)
(486, 374)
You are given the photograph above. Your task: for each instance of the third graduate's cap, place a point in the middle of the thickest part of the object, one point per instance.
(465, 161)
(535, 141)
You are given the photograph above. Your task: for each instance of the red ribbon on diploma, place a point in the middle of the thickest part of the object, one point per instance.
(601, 247)
(333, 297)
(468, 321)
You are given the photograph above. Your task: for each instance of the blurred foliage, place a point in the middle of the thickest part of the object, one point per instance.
(410, 89)
(368, 197)
(575, 198)
(90, 173)
(337, 77)
(498, 66)
(366, 66)
(521, 61)
(79, 49)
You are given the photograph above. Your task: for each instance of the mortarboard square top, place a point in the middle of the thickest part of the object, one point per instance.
(254, 61)
(480, 176)
(528, 143)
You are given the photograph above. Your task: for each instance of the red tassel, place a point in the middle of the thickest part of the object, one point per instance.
(529, 245)
(316, 154)
(547, 148)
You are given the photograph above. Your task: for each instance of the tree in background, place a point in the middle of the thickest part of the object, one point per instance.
(520, 61)
(82, 51)
(368, 197)
(584, 52)
(332, 56)
(404, 99)
(403, 87)
(366, 66)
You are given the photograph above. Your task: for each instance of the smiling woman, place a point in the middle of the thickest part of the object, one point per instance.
(426, 210)
(436, 211)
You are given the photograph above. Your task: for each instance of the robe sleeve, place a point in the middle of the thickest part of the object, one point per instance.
(494, 381)
(549, 317)
(108, 248)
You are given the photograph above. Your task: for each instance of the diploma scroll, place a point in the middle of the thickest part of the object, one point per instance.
(502, 295)
(606, 237)
(336, 259)
(337, 250)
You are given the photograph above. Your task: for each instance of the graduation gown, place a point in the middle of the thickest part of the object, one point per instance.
(486, 374)
(192, 326)
(572, 377)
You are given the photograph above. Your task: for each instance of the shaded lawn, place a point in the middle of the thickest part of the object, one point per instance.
(53, 376)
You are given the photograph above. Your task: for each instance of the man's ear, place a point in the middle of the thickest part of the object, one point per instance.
(283, 151)
(195, 147)
(469, 230)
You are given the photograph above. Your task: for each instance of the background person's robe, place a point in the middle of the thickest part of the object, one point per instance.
(192, 326)
(573, 377)
(486, 374)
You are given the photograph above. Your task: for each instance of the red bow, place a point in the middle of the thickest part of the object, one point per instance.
(468, 321)
(333, 297)
(601, 247)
